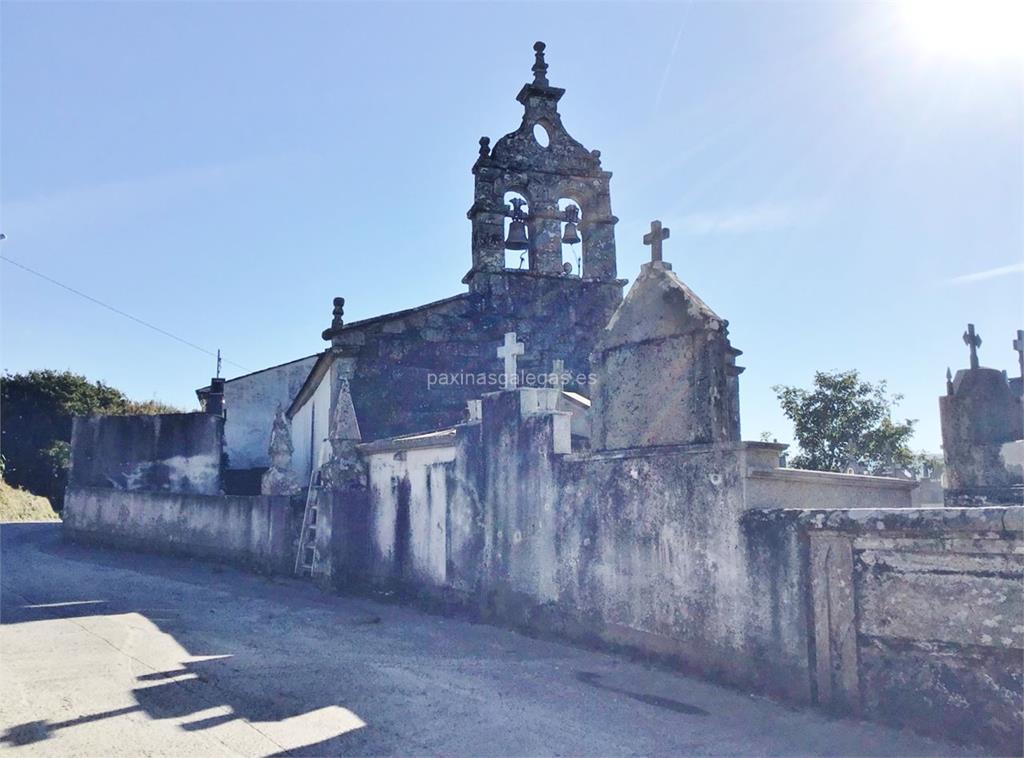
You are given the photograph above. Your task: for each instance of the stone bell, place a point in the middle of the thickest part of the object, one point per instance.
(517, 239)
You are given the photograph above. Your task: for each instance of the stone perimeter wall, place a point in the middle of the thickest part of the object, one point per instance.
(169, 452)
(917, 616)
(675, 552)
(257, 532)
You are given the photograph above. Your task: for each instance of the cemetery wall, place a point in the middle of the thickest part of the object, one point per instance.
(676, 552)
(917, 616)
(169, 452)
(258, 532)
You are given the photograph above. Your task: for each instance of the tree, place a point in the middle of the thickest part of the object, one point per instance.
(37, 409)
(844, 421)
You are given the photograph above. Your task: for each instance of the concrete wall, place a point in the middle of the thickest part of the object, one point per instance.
(917, 616)
(171, 452)
(250, 403)
(257, 532)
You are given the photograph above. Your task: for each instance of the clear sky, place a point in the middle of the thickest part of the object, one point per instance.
(843, 181)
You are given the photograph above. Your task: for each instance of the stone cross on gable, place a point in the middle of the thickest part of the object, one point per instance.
(509, 351)
(654, 238)
(1018, 345)
(973, 341)
(557, 370)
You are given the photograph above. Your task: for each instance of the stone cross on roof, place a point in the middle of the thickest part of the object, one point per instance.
(654, 238)
(509, 351)
(1018, 345)
(557, 370)
(973, 341)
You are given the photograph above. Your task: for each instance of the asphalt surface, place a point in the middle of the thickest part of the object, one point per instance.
(123, 654)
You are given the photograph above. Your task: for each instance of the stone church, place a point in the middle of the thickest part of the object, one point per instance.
(612, 501)
(567, 197)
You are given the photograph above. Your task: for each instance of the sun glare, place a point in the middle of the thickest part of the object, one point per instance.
(967, 28)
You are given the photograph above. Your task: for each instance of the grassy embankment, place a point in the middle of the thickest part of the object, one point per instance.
(21, 505)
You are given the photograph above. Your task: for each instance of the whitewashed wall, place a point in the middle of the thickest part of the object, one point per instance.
(426, 540)
(310, 427)
(251, 401)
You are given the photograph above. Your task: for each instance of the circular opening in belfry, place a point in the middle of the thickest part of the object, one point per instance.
(540, 133)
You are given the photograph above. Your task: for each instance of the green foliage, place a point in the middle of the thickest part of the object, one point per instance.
(844, 421)
(36, 410)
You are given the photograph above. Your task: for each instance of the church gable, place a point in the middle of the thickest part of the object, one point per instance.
(658, 306)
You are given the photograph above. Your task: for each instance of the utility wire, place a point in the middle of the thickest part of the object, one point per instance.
(119, 312)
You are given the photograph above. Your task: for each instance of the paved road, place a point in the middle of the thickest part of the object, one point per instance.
(107, 653)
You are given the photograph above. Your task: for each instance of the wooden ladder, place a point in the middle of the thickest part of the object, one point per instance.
(306, 556)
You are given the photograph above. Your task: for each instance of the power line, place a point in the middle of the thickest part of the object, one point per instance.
(119, 312)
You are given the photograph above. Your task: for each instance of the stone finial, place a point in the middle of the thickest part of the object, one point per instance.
(485, 147)
(345, 469)
(510, 350)
(280, 448)
(344, 425)
(540, 68)
(279, 479)
(973, 341)
(654, 238)
(339, 311)
(1018, 345)
(949, 381)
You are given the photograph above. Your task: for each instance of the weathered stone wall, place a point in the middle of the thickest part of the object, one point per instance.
(257, 532)
(797, 488)
(664, 336)
(668, 551)
(917, 615)
(170, 452)
(556, 318)
(408, 524)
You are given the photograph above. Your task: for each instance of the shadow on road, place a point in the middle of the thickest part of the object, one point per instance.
(205, 691)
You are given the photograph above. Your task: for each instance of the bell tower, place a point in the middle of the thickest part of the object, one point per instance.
(543, 164)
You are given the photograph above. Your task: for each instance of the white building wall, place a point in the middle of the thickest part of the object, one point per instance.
(251, 401)
(310, 427)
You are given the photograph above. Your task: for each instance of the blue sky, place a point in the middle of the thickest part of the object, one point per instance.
(845, 194)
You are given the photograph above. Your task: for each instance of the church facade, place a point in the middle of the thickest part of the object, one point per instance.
(598, 488)
(417, 368)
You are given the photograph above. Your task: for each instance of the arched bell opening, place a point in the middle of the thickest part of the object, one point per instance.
(572, 242)
(515, 232)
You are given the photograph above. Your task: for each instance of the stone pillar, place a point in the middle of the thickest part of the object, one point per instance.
(545, 230)
(488, 219)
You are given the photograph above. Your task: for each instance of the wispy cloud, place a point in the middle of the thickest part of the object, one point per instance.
(992, 273)
(757, 218)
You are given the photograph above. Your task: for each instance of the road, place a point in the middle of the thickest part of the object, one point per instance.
(116, 654)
